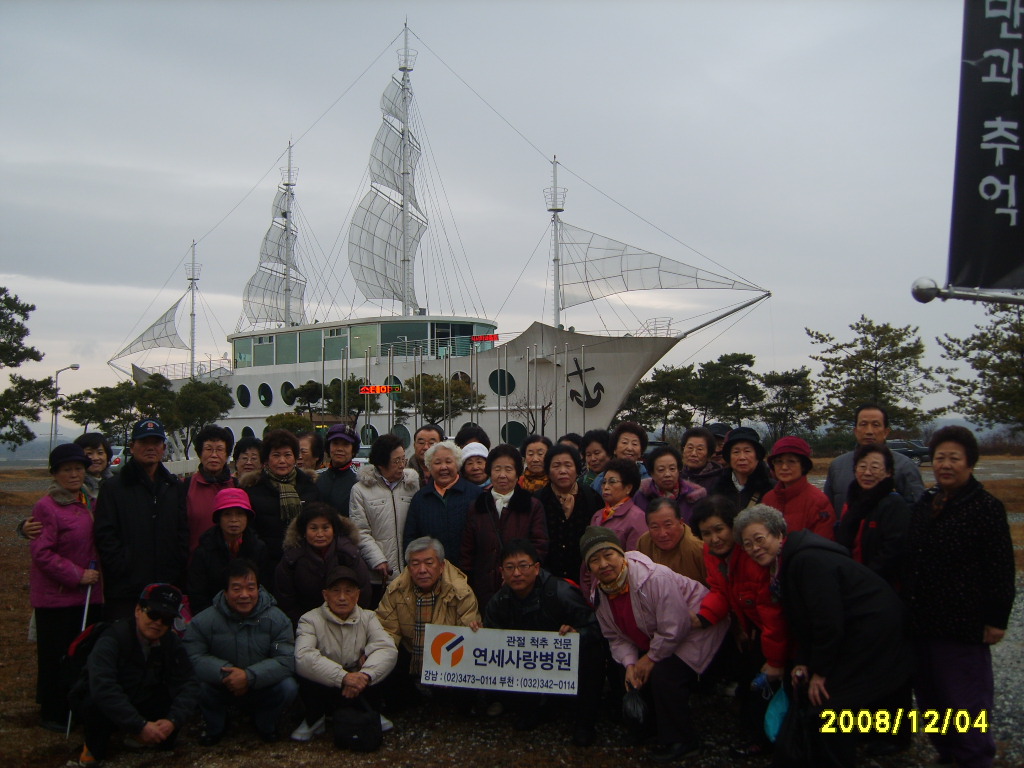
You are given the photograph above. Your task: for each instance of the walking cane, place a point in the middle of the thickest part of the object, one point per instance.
(85, 617)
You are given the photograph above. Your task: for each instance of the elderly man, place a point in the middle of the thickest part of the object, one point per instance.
(533, 600)
(141, 529)
(213, 445)
(429, 591)
(425, 437)
(243, 651)
(871, 425)
(137, 679)
(342, 654)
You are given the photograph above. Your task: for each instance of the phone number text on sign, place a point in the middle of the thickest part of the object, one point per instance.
(500, 660)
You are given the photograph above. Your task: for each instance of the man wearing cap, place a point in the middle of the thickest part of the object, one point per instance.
(644, 610)
(141, 527)
(230, 537)
(137, 679)
(335, 483)
(341, 653)
(213, 445)
(871, 425)
(243, 651)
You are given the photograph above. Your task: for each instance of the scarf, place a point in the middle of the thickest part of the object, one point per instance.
(568, 500)
(288, 498)
(425, 602)
(442, 490)
(621, 584)
(501, 499)
(531, 482)
(222, 478)
(859, 501)
(609, 511)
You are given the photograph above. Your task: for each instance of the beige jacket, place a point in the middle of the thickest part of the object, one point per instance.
(456, 605)
(327, 647)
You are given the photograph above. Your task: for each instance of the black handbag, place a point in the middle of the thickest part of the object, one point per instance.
(795, 746)
(634, 707)
(357, 727)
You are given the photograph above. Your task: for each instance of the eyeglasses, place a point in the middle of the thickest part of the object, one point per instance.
(513, 567)
(612, 481)
(862, 467)
(757, 542)
(161, 618)
(399, 462)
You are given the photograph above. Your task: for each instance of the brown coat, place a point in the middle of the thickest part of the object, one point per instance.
(687, 559)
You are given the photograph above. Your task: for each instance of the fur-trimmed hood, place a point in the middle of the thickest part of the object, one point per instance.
(369, 476)
(293, 538)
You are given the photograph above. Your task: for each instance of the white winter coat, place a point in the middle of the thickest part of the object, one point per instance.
(379, 513)
(327, 647)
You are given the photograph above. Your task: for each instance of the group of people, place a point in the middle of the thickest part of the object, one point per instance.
(290, 574)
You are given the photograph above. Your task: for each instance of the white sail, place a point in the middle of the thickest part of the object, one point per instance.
(375, 246)
(380, 255)
(594, 266)
(265, 299)
(163, 333)
(276, 291)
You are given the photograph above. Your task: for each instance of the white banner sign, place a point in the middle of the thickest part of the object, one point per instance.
(500, 660)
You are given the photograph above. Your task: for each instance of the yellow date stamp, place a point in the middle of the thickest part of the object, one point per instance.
(940, 721)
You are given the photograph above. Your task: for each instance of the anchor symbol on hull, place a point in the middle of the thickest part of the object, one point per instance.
(587, 400)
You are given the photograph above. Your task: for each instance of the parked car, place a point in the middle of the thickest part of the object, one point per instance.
(914, 450)
(361, 458)
(120, 454)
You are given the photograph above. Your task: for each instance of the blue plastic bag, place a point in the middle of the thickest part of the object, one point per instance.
(776, 714)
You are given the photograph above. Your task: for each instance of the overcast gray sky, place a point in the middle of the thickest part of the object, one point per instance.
(807, 145)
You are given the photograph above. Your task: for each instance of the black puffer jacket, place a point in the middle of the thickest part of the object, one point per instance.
(208, 571)
(959, 575)
(141, 531)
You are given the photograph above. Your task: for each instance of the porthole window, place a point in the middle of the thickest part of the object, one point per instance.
(242, 396)
(288, 393)
(502, 382)
(514, 433)
(266, 395)
(402, 433)
(368, 434)
(247, 432)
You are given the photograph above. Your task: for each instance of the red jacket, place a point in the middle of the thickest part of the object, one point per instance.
(804, 507)
(740, 585)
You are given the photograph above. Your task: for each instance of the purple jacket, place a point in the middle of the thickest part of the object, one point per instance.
(662, 601)
(689, 494)
(61, 552)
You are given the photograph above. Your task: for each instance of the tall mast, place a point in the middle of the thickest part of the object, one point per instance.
(192, 272)
(289, 246)
(406, 61)
(555, 198)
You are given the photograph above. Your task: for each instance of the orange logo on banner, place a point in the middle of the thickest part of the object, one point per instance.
(447, 642)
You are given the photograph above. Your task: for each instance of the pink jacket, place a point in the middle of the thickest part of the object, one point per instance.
(662, 601)
(61, 552)
(628, 522)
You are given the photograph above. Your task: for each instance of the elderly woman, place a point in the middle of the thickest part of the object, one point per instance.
(845, 620)
(278, 491)
(335, 483)
(745, 479)
(568, 507)
(803, 505)
(698, 447)
(247, 456)
(596, 453)
(318, 540)
(439, 509)
(535, 447)
(628, 441)
(665, 466)
(743, 589)
(499, 515)
(230, 538)
(213, 446)
(98, 449)
(62, 572)
(378, 507)
(620, 514)
(341, 653)
(474, 464)
(876, 519)
(959, 584)
(642, 609)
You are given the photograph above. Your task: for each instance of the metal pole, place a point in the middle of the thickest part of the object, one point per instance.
(391, 376)
(583, 379)
(554, 382)
(565, 393)
(56, 397)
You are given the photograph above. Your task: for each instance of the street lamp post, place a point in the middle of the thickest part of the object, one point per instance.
(56, 395)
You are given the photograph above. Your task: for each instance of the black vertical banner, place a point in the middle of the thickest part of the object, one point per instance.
(986, 243)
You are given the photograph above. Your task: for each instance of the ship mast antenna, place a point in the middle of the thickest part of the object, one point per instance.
(554, 196)
(289, 247)
(406, 62)
(192, 273)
